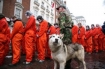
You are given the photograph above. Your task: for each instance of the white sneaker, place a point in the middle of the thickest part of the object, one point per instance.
(26, 62)
(41, 61)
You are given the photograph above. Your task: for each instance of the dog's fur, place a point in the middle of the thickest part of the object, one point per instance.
(62, 53)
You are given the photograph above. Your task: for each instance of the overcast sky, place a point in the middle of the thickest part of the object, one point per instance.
(92, 10)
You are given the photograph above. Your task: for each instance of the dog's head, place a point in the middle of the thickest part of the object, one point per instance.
(55, 40)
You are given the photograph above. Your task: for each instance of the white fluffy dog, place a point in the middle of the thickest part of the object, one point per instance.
(62, 53)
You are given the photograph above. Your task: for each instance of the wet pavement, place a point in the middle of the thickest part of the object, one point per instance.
(93, 61)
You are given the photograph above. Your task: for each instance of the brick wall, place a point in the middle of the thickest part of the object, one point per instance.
(9, 6)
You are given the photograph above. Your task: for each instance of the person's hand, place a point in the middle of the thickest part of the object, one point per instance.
(37, 35)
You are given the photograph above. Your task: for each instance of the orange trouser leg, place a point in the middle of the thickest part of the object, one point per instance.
(2, 51)
(100, 43)
(29, 45)
(16, 45)
(41, 46)
(2, 48)
(96, 45)
(48, 51)
(23, 46)
(74, 38)
(89, 44)
(103, 46)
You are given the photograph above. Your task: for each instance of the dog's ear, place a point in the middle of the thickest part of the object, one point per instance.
(61, 36)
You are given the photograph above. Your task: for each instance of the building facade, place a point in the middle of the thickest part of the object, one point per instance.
(81, 19)
(14, 8)
(43, 8)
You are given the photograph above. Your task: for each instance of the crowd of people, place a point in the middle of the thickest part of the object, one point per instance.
(29, 38)
(26, 39)
(92, 38)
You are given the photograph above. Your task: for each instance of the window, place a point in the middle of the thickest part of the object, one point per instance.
(20, 1)
(47, 17)
(47, 7)
(36, 0)
(1, 6)
(35, 12)
(18, 12)
(42, 3)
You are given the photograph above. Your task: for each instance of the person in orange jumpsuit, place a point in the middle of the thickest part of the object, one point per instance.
(81, 34)
(74, 31)
(16, 39)
(3, 39)
(57, 28)
(30, 31)
(95, 34)
(88, 40)
(42, 38)
(51, 30)
(100, 37)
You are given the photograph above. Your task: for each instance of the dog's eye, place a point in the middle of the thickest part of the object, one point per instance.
(58, 37)
(53, 36)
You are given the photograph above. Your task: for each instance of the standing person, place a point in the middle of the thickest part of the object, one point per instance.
(16, 38)
(30, 31)
(81, 34)
(3, 39)
(56, 25)
(95, 34)
(74, 33)
(100, 37)
(64, 24)
(88, 40)
(51, 30)
(65, 28)
(42, 38)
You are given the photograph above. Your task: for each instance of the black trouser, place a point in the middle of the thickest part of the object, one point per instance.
(68, 66)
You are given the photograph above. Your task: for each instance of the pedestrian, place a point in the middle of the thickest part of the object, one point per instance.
(88, 40)
(81, 34)
(30, 32)
(74, 33)
(3, 38)
(51, 30)
(100, 37)
(95, 34)
(42, 38)
(16, 40)
(64, 24)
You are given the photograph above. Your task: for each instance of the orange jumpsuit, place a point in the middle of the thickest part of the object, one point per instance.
(16, 37)
(88, 40)
(100, 39)
(8, 42)
(81, 35)
(30, 30)
(3, 39)
(74, 34)
(51, 30)
(95, 34)
(42, 40)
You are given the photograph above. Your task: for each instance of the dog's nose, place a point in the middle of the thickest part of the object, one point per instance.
(56, 40)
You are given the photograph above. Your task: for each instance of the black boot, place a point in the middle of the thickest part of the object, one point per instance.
(68, 66)
(14, 64)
